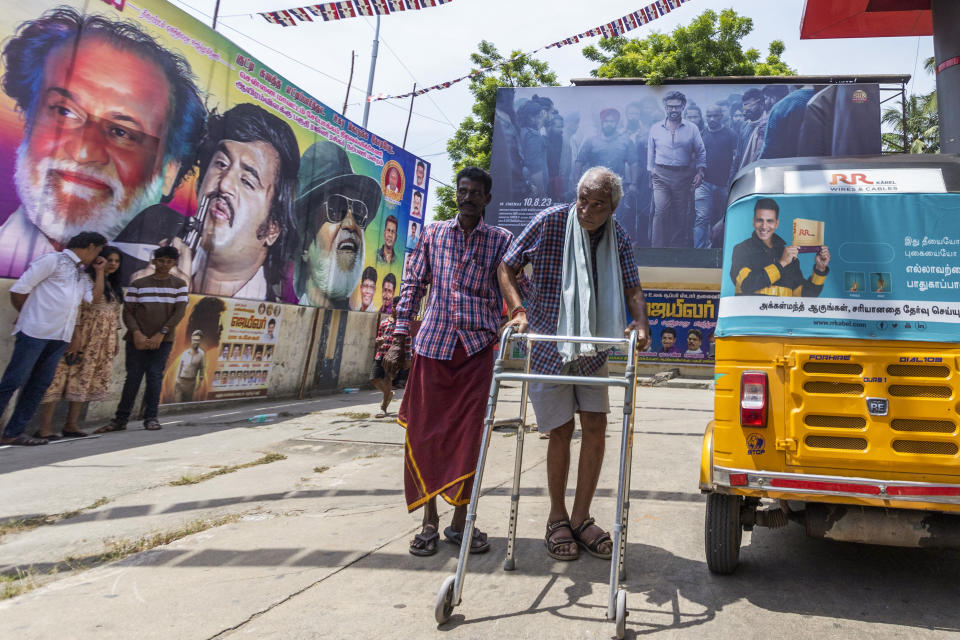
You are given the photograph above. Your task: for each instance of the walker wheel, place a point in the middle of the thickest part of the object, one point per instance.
(444, 605)
(621, 613)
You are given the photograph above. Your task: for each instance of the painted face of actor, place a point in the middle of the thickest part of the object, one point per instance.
(633, 118)
(386, 291)
(594, 206)
(693, 342)
(694, 116)
(667, 340)
(674, 110)
(714, 118)
(195, 342)
(393, 180)
(417, 203)
(753, 109)
(608, 126)
(390, 234)
(335, 255)
(421, 173)
(765, 224)
(367, 290)
(240, 186)
(93, 157)
(737, 116)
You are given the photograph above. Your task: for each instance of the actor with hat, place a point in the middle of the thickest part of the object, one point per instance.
(333, 208)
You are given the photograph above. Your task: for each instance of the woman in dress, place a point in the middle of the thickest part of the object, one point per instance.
(84, 374)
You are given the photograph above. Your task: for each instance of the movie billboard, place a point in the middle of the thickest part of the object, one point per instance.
(135, 120)
(886, 263)
(223, 349)
(676, 147)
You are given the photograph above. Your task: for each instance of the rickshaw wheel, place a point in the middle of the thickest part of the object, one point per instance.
(723, 532)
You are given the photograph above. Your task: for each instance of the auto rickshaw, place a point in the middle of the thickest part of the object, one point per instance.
(837, 363)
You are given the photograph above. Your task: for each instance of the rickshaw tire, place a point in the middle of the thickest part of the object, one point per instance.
(723, 533)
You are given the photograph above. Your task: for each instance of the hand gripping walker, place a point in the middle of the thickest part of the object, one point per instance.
(450, 592)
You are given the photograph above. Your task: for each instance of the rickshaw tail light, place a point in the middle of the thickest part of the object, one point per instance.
(738, 479)
(753, 399)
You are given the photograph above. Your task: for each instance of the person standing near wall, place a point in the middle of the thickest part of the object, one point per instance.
(453, 358)
(86, 376)
(48, 297)
(152, 308)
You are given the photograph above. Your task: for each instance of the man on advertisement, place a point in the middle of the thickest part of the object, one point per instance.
(386, 253)
(190, 369)
(764, 265)
(676, 160)
(111, 119)
(368, 289)
(668, 340)
(710, 198)
(333, 208)
(248, 163)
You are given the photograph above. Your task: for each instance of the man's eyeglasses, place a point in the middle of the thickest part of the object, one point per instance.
(337, 206)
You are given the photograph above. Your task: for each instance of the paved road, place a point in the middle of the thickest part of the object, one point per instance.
(317, 543)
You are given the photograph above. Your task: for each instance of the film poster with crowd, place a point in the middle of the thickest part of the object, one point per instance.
(133, 119)
(223, 349)
(656, 138)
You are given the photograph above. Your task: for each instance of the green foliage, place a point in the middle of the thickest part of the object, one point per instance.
(708, 46)
(921, 123)
(470, 144)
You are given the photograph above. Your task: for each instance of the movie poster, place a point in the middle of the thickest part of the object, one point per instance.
(676, 147)
(135, 120)
(222, 349)
(682, 324)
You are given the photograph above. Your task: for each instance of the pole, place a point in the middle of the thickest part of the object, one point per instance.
(216, 12)
(373, 69)
(946, 55)
(409, 115)
(903, 113)
(353, 58)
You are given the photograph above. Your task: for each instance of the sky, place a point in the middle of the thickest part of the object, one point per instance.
(434, 45)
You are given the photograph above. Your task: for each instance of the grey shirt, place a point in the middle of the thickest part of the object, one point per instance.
(682, 147)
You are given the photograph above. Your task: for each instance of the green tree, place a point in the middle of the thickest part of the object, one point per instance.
(470, 144)
(919, 119)
(708, 46)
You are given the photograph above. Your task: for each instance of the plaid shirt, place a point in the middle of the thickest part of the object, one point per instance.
(465, 301)
(541, 244)
(385, 335)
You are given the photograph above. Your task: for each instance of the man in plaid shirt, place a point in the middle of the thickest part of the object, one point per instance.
(541, 244)
(379, 378)
(445, 397)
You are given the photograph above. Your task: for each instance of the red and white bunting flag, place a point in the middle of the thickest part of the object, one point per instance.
(345, 9)
(272, 18)
(381, 7)
(662, 7)
(630, 21)
(329, 11)
(396, 5)
(364, 8)
(301, 14)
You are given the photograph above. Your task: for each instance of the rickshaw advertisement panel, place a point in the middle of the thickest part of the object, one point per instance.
(868, 257)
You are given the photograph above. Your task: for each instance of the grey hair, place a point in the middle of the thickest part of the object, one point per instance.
(605, 179)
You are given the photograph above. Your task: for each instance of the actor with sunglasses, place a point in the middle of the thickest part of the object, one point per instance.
(333, 208)
(249, 163)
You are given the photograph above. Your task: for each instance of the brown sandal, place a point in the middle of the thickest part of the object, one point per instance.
(555, 543)
(592, 547)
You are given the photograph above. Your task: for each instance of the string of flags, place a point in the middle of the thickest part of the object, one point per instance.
(346, 9)
(614, 28)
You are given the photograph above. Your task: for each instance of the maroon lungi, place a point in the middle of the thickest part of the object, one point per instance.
(443, 409)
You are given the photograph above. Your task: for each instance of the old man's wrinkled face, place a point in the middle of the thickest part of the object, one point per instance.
(594, 207)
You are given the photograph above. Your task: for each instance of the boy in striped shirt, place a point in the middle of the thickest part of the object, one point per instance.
(152, 308)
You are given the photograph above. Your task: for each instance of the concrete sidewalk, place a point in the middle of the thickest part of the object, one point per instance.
(315, 545)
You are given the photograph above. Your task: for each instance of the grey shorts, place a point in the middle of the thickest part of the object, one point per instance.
(555, 404)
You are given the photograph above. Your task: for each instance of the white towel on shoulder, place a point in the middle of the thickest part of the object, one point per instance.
(582, 313)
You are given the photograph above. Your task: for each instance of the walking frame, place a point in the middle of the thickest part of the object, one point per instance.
(450, 592)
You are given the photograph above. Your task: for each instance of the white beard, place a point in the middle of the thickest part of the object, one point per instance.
(43, 209)
(327, 276)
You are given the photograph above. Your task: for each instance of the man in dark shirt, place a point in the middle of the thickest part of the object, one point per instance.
(764, 265)
(152, 308)
(711, 195)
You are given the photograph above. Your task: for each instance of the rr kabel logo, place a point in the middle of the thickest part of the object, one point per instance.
(851, 179)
